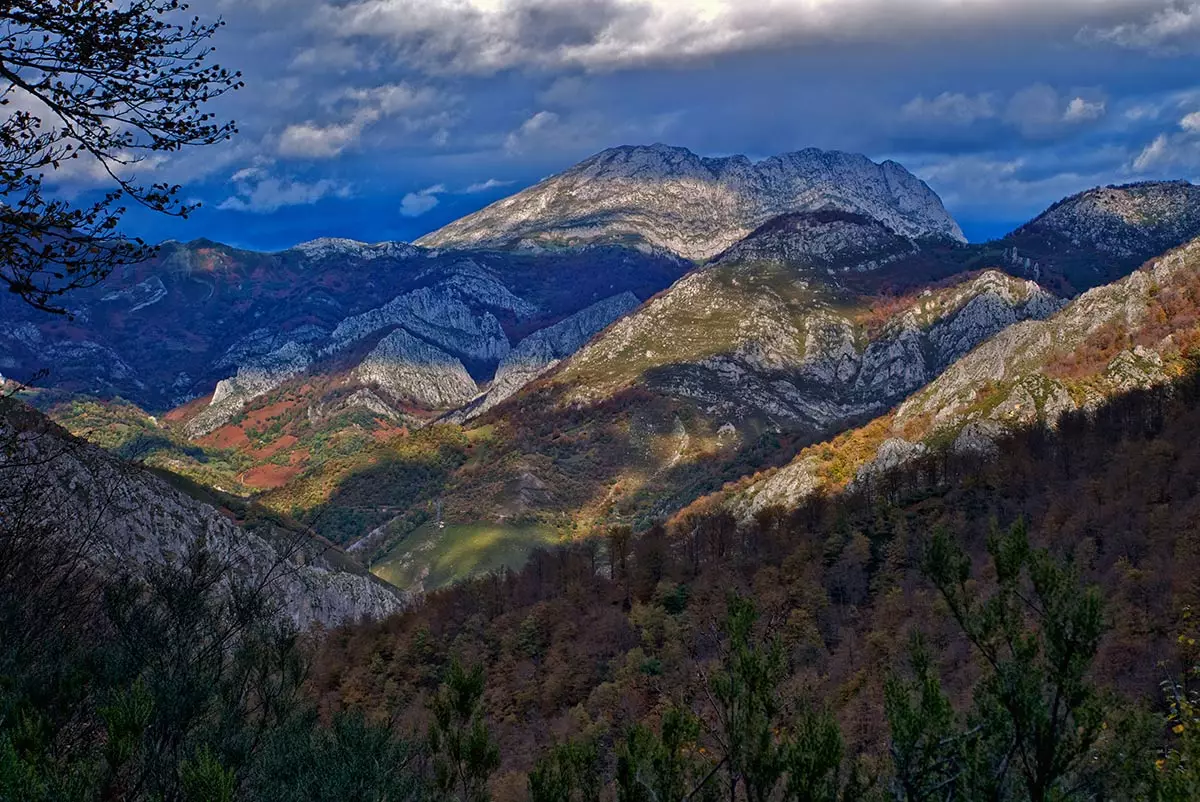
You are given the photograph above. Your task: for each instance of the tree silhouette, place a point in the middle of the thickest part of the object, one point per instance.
(108, 84)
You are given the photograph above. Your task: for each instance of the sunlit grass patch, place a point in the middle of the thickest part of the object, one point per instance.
(430, 558)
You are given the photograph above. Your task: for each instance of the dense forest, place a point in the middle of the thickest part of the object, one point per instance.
(961, 628)
(616, 632)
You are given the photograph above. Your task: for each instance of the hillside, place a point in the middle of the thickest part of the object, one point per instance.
(123, 519)
(203, 319)
(1100, 235)
(583, 644)
(1135, 333)
(537, 394)
(670, 198)
(763, 360)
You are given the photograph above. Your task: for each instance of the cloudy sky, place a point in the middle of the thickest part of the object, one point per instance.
(384, 119)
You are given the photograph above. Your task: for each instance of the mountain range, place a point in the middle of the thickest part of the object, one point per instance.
(647, 331)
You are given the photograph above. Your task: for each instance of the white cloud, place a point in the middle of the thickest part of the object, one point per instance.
(392, 99)
(1040, 111)
(1080, 110)
(951, 107)
(537, 127)
(485, 186)
(548, 132)
(1166, 30)
(1173, 151)
(1142, 111)
(994, 185)
(259, 192)
(1037, 111)
(487, 36)
(309, 140)
(1156, 154)
(415, 204)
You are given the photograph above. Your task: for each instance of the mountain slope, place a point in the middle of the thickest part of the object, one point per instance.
(758, 359)
(122, 518)
(1139, 332)
(205, 318)
(1100, 235)
(578, 644)
(697, 207)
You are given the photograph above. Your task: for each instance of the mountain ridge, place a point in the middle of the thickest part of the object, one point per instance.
(696, 206)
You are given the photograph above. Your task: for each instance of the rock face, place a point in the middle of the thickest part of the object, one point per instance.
(825, 240)
(255, 376)
(542, 350)
(1038, 370)
(456, 314)
(696, 207)
(1119, 337)
(761, 342)
(1104, 234)
(1126, 221)
(339, 248)
(204, 318)
(124, 518)
(412, 370)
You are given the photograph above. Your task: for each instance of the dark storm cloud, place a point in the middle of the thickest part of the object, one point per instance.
(372, 118)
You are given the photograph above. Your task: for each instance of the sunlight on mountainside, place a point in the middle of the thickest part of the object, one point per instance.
(561, 401)
(429, 558)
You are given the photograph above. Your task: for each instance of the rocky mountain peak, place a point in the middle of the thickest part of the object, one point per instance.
(340, 247)
(694, 206)
(1127, 220)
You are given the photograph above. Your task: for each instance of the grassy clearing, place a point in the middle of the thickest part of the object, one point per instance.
(430, 558)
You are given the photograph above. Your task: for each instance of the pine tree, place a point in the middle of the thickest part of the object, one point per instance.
(464, 754)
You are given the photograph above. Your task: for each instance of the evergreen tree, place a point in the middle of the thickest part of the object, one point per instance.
(1037, 714)
(464, 755)
(654, 767)
(570, 772)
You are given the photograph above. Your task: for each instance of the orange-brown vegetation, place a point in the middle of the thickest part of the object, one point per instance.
(592, 638)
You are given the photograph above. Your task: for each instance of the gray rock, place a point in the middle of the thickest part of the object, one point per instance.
(673, 199)
(542, 350)
(410, 369)
(124, 519)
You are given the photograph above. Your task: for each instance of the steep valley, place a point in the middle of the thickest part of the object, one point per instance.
(373, 392)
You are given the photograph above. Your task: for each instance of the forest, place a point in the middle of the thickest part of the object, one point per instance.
(1018, 628)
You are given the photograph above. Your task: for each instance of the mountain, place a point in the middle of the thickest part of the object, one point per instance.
(696, 207)
(441, 408)
(823, 240)
(204, 319)
(123, 518)
(1138, 333)
(1100, 235)
(586, 640)
(734, 368)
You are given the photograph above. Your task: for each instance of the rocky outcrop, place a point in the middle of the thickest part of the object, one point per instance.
(825, 240)
(451, 314)
(1031, 374)
(435, 315)
(696, 207)
(140, 296)
(414, 371)
(360, 399)
(759, 342)
(1134, 220)
(344, 249)
(257, 376)
(1007, 378)
(124, 519)
(542, 350)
